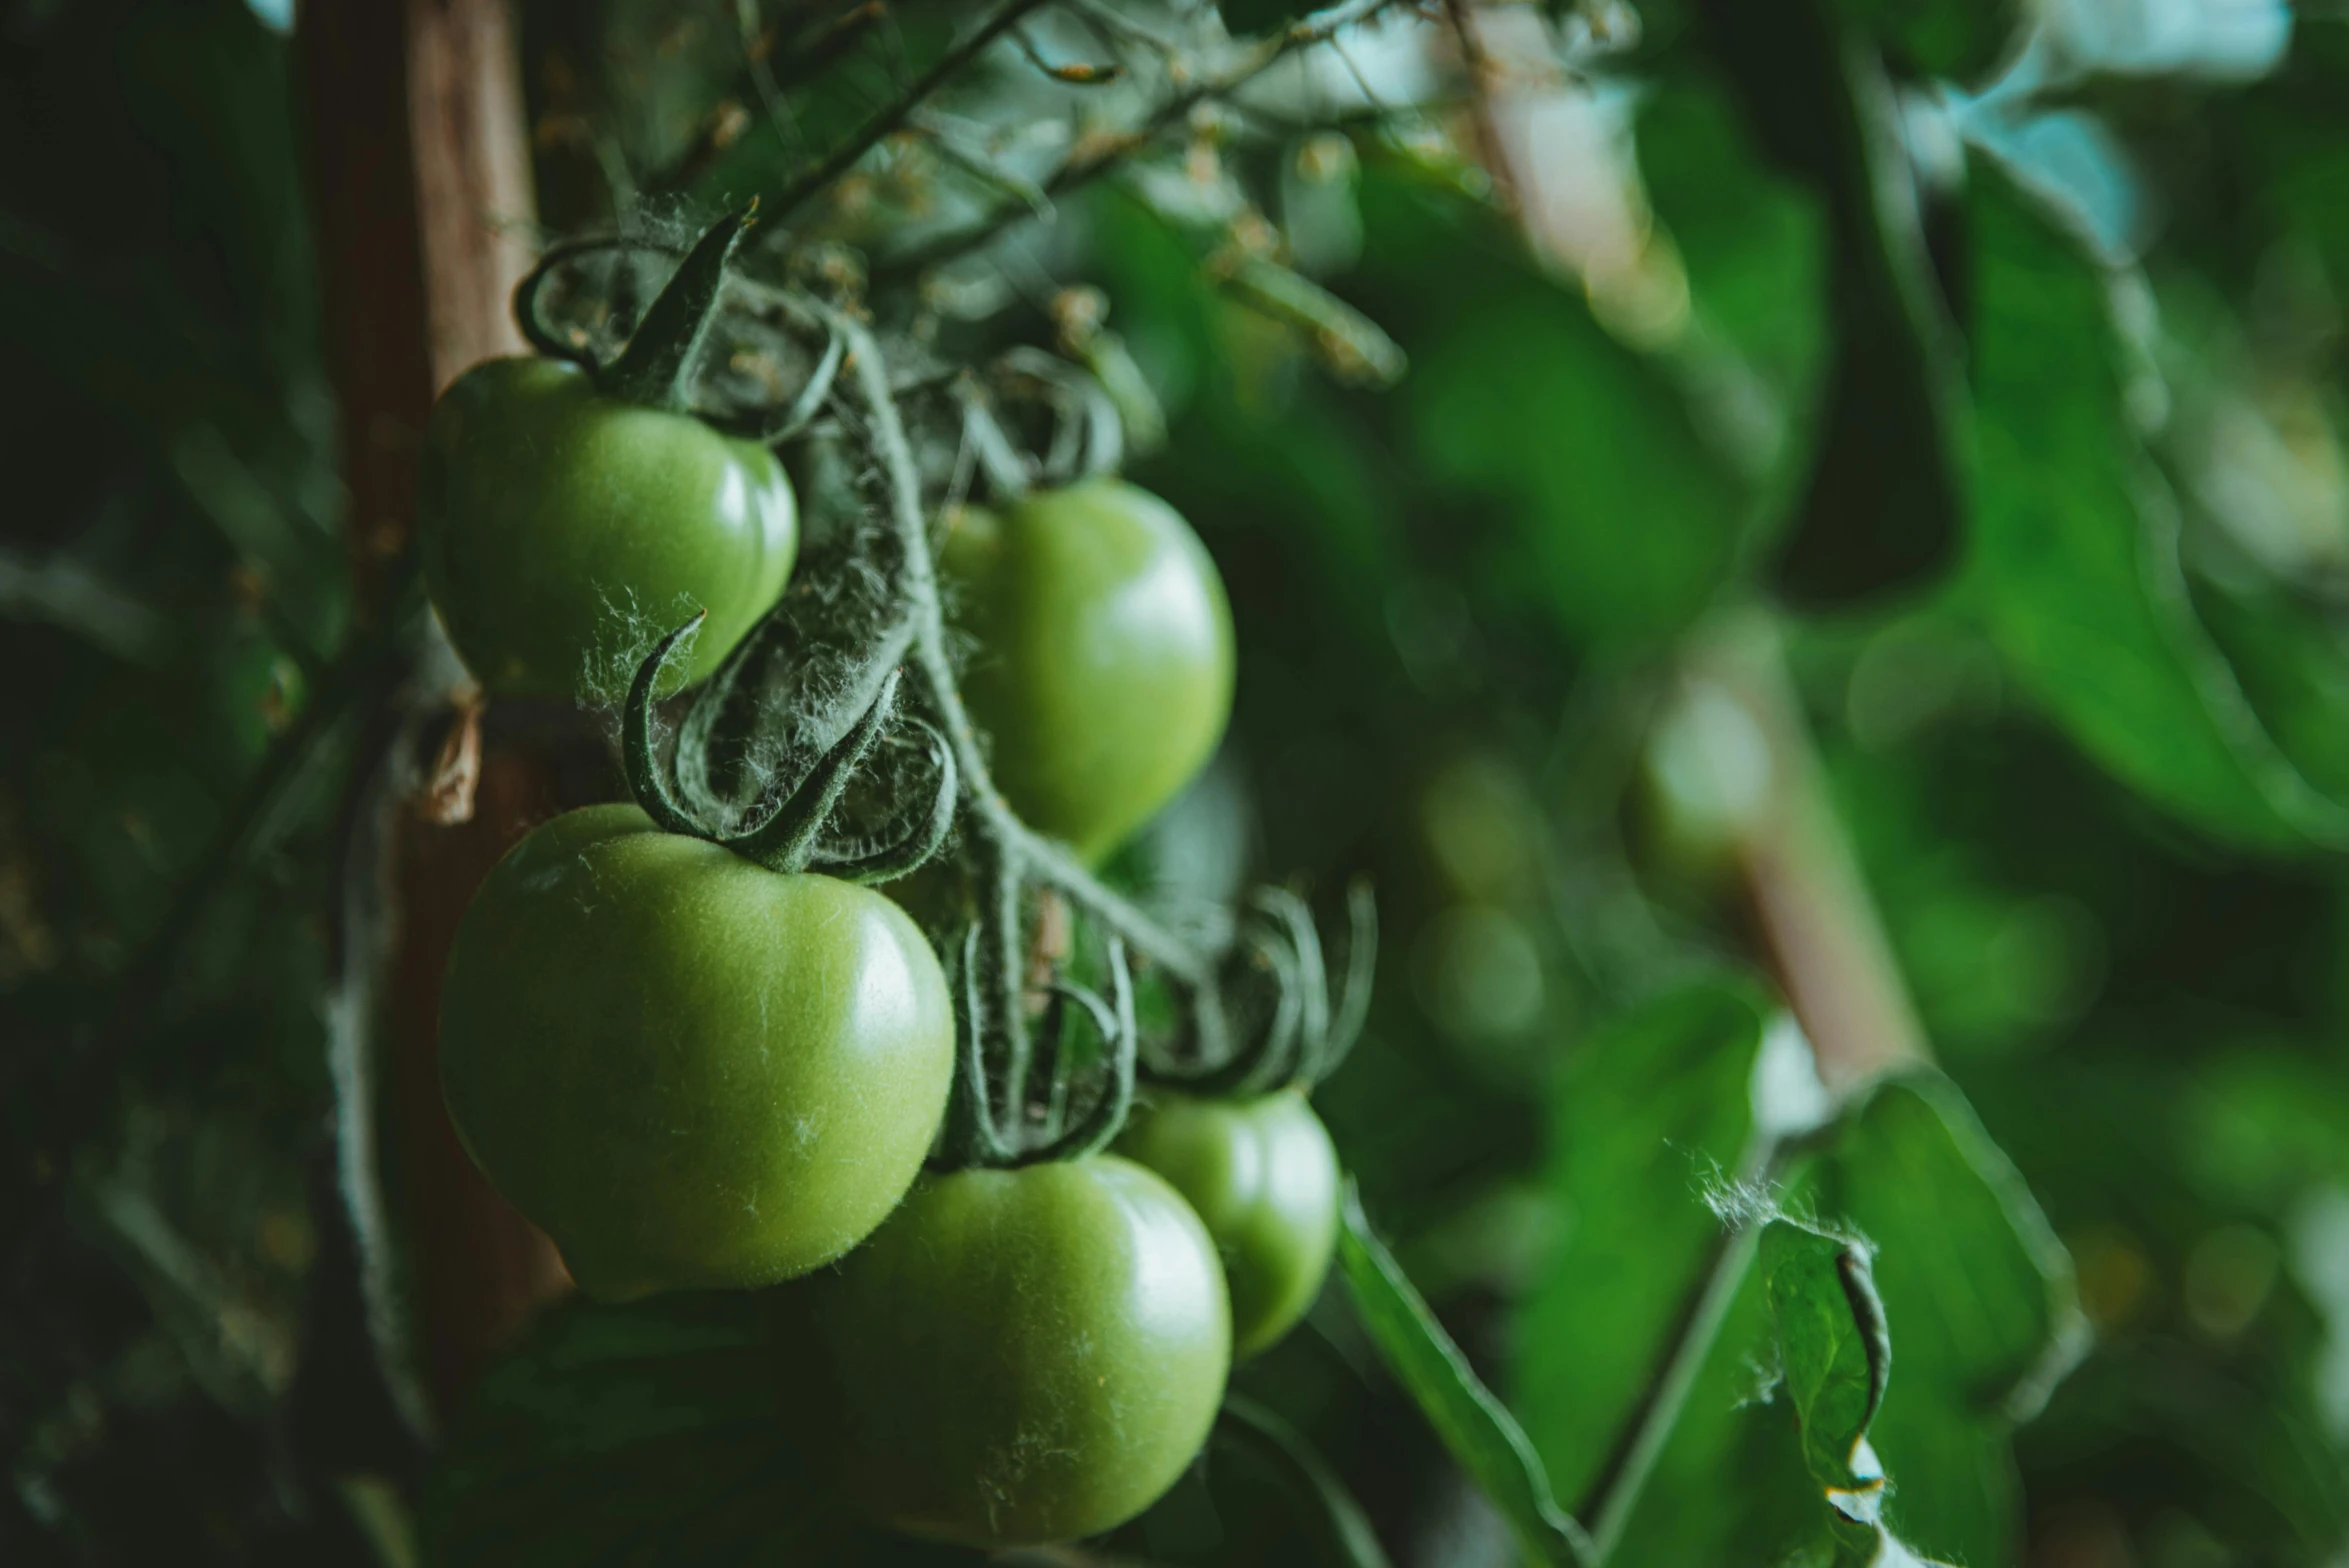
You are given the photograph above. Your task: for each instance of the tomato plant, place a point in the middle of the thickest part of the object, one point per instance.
(1103, 668)
(691, 1070)
(1760, 311)
(1263, 1176)
(1017, 1356)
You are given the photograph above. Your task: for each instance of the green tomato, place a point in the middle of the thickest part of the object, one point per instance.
(690, 1071)
(1263, 1176)
(1104, 663)
(1018, 1356)
(558, 526)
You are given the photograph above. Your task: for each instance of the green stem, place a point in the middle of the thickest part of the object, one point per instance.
(935, 668)
(1615, 1493)
(656, 369)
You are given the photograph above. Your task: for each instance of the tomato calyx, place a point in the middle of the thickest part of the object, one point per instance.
(660, 363)
(789, 837)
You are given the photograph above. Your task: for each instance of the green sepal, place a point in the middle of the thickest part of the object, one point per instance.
(656, 369)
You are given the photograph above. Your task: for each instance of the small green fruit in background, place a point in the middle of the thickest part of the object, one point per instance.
(1102, 666)
(1263, 1177)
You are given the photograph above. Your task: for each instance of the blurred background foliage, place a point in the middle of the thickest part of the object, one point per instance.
(1968, 379)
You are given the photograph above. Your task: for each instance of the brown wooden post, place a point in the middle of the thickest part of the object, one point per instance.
(421, 176)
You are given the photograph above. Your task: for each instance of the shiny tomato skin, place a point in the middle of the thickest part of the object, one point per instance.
(561, 530)
(1102, 654)
(1263, 1177)
(1018, 1356)
(689, 1070)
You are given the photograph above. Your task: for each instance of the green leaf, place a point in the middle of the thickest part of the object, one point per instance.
(1475, 1427)
(1653, 1115)
(2074, 571)
(1982, 1295)
(1835, 1351)
(1543, 433)
(1835, 1356)
(1884, 497)
(655, 1433)
(1650, 1112)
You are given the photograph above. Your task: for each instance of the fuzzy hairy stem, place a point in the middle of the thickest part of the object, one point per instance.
(1013, 849)
(935, 669)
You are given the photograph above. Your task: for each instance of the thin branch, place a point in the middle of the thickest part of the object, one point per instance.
(760, 79)
(1314, 30)
(1112, 20)
(893, 117)
(943, 141)
(1615, 1492)
(1483, 82)
(1077, 75)
(1619, 1487)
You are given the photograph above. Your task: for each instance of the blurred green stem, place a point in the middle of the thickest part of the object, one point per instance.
(1616, 1493)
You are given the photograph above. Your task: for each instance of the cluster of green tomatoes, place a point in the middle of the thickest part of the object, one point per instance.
(694, 1071)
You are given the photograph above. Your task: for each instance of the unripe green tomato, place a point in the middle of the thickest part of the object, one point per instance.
(1103, 670)
(1018, 1356)
(689, 1070)
(559, 526)
(1263, 1177)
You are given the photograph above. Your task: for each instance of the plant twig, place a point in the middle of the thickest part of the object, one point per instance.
(893, 116)
(935, 669)
(1317, 29)
(1615, 1492)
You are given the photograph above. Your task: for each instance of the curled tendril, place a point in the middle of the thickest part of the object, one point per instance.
(768, 427)
(786, 838)
(923, 838)
(542, 335)
(1088, 438)
(1113, 1020)
(1272, 1021)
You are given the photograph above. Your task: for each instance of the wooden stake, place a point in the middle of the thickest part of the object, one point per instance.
(421, 189)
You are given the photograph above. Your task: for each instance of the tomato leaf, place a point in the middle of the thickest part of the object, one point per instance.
(1885, 493)
(2075, 572)
(1835, 1358)
(653, 1433)
(1835, 1352)
(1476, 1427)
(1650, 1112)
(1983, 1296)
